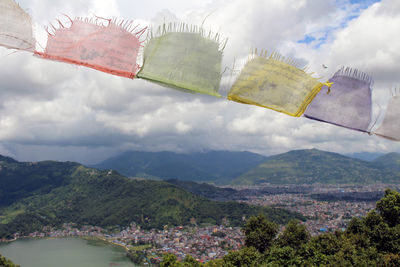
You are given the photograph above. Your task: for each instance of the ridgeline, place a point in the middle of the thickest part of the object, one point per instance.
(315, 166)
(50, 193)
(245, 168)
(213, 166)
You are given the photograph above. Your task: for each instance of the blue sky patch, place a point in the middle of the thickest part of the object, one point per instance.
(356, 7)
(365, 3)
(307, 39)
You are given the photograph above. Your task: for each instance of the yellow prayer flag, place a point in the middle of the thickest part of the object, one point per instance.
(275, 83)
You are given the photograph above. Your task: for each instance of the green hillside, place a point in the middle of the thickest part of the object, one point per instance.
(21, 180)
(389, 161)
(52, 193)
(205, 190)
(215, 166)
(315, 166)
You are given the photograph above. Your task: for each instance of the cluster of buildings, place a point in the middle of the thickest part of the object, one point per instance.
(322, 216)
(211, 242)
(202, 243)
(70, 230)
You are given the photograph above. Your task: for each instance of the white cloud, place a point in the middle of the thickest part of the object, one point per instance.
(51, 109)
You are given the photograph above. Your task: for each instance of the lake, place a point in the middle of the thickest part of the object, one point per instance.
(64, 252)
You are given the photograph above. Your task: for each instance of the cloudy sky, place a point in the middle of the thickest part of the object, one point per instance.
(52, 110)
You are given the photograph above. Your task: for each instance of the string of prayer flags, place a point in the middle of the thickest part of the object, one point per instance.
(347, 103)
(188, 58)
(390, 127)
(276, 83)
(15, 27)
(112, 48)
(184, 57)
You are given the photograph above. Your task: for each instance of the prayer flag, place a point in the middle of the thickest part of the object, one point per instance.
(112, 48)
(347, 103)
(15, 27)
(390, 127)
(275, 83)
(184, 57)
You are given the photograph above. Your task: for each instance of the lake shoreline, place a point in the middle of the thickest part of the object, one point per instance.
(93, 250)
(90, 238)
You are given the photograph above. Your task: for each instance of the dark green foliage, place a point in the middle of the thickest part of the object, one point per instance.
(259, 233)
(294, 235)
(391, 260)
(373, 240)
(87, 196)
(283, 256)
(26, 223)
(246, 257)
(320, 248)
(315, 166)
(189, 261)
(356, 226)
(352, 255)
(216, 166)
(389, 161)
(21, 180)
(389, 207)
(205, 190)
(6, 263)
(136, 256)
(170, 260)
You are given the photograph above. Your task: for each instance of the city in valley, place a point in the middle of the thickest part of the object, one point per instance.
(326, 208)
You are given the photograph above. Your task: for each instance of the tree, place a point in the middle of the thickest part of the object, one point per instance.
(352, 255)
(189, 261)
(294, 235)
(170, 260)
(215, 263)
(389, 207)
(246, 257)
(391, 260)
(356, 226)
(259, 233)
(6, 263)
(283, 256)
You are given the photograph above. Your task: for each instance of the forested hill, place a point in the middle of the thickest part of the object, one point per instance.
(50, 193)
(245, 168)
(389, 161)
(213, 166)
(315, 166)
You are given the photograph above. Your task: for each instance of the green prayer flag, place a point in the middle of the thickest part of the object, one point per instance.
(183, 57)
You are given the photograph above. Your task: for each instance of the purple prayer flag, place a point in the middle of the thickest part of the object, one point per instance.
(390, 127)
(347, 103)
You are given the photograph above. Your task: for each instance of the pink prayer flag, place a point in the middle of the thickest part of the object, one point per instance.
(111, 48)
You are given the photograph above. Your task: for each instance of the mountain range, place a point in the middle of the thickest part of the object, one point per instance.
(213, 166)
(245, 168)
(48, 193)
(315, 166)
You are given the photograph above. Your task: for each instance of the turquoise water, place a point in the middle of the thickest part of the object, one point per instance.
(64, 252)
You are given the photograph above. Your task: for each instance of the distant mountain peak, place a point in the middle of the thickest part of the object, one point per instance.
(7, 159)
(307, 166)
(205, 166)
